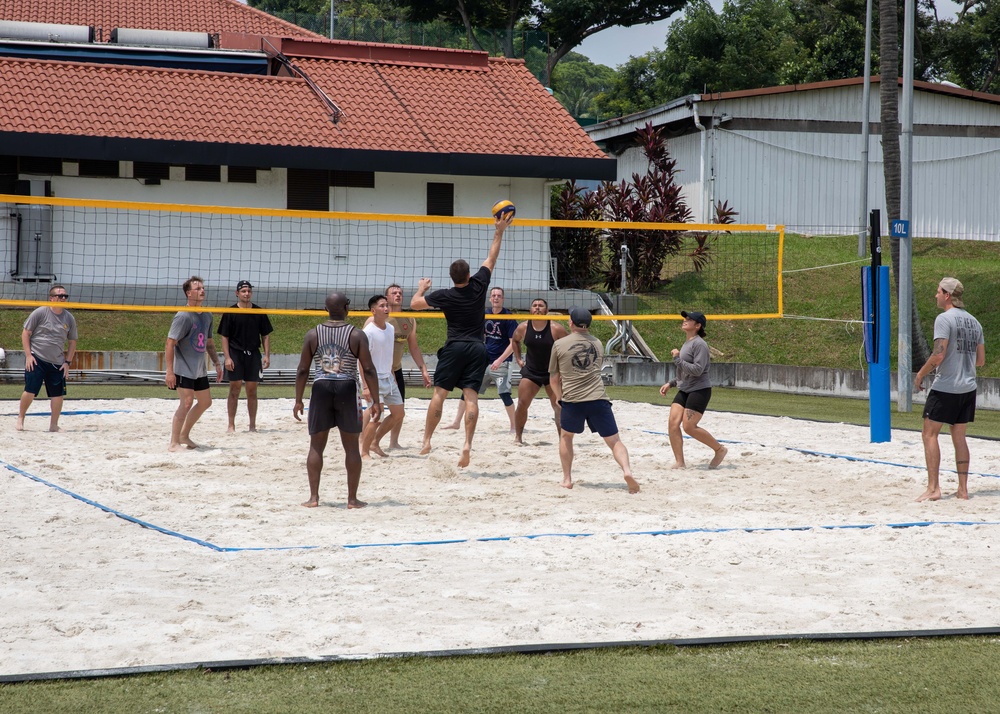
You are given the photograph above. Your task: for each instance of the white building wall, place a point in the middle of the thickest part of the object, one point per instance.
(119, 252)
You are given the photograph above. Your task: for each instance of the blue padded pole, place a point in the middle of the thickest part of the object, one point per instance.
(878, 380)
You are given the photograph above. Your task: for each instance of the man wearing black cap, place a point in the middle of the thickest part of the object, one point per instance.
(694, 390)
(575, 378)
(241, 340)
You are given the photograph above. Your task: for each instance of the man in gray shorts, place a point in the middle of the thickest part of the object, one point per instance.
(46, 332)
(958, 349)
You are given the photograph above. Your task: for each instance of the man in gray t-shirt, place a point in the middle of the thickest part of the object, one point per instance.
(189, 340)
(958, 349)
(47, 333)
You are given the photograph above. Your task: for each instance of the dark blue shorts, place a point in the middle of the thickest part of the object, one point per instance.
(49, 374)
(461, 365)
(948, 408)
(597, 415)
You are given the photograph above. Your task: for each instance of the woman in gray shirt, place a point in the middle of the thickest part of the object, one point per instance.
(694, 390)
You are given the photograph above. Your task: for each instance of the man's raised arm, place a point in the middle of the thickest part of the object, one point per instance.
(503, 221)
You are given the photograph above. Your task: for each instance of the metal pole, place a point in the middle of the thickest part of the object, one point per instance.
(865, 130)
(904, 375)
(333, 14)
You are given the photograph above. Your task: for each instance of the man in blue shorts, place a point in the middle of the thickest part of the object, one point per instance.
(47, 331)
(242, 336)
(575, 377)
(958, 349)
(463, 359)
(335, 348)
(188, 341)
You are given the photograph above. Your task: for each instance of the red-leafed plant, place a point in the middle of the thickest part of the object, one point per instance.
(577, 251)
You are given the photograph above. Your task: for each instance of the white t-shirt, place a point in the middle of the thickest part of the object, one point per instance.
(380, 344)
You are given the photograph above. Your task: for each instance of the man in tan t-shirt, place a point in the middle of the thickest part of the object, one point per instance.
(575, 373)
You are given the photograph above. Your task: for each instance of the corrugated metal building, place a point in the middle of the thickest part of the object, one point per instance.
(792, 155)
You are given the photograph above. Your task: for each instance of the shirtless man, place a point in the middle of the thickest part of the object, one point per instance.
(537, 337)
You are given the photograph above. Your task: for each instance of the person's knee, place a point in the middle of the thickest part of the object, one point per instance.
(506, 399)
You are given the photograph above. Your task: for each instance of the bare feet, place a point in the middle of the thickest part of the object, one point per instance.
(355, 503)
(678, 465)
(252, 429)
(962, 493)
(633, 485)
(19, 424)
(567, 482)
(427, 449)
(231, 429)
(177, 447)
(931, 495)
(189, 444)
(465, 458)
(54, 428)
(393, 446)
(719, 456)
(451, 427)
(311, 503)
(377, 451)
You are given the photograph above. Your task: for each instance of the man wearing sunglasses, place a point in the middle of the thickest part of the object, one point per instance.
(47, 333)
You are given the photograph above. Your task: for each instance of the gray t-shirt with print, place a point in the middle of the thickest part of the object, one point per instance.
(49, 333)
(191, 330)
(957, 372)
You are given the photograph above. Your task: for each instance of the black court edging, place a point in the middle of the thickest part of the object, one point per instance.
(222, 665)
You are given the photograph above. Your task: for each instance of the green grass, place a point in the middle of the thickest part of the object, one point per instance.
(907, 675)
(829, 293)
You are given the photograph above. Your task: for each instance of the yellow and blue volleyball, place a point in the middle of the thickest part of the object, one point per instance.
(502, 208)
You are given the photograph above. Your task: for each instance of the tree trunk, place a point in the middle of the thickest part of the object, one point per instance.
(470, 35)
(892, 168)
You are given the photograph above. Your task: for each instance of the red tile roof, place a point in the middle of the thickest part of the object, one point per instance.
(461, 111)
(210, 16)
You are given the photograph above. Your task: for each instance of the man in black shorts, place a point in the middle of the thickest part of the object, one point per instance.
(242, 336)
(335, 348)
(463, 359)
(537, 337)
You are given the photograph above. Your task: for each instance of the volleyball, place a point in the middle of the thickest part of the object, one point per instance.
(500, 208)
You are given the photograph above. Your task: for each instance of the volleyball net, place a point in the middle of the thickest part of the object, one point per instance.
(116, 255)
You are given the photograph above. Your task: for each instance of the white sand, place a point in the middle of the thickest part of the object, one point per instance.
(83, 589)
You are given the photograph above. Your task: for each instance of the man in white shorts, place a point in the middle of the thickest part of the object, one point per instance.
(381, 340)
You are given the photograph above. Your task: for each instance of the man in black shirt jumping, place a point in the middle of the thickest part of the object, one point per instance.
(463, 359)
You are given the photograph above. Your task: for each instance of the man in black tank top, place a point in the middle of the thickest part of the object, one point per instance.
(537, 336)
(336, 348)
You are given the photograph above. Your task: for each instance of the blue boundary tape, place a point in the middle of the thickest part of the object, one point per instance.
(82, 412)
(488, 539)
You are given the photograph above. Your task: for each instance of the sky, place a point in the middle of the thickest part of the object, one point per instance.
(614, 46)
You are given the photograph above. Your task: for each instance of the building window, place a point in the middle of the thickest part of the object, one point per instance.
(195, 172)
(242, 174)
(99, 168)
(440, 199)
(352, 179)
(40, 165)
(308, 190)
(150, 170)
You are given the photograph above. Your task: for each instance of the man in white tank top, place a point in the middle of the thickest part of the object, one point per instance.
(381, 342)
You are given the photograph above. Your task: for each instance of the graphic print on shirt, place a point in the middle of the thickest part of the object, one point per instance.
(584, 355)
(331, 359)
(198, 340)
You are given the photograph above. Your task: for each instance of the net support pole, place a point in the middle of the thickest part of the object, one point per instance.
(878, 380)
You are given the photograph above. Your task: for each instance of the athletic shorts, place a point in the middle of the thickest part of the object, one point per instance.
(539, 378)
(388, 392)
(197, 385)
(335, 403)
(948, 408)
(246, 367)
(461, 365)
(596, 414)
(49, 374)
(400, 383)
(696, 401)
(500, 376)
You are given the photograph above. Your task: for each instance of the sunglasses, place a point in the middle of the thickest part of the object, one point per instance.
(61, 296)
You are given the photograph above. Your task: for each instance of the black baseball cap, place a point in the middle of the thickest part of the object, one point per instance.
(698, 317)
(244, 284)
(580, 316)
